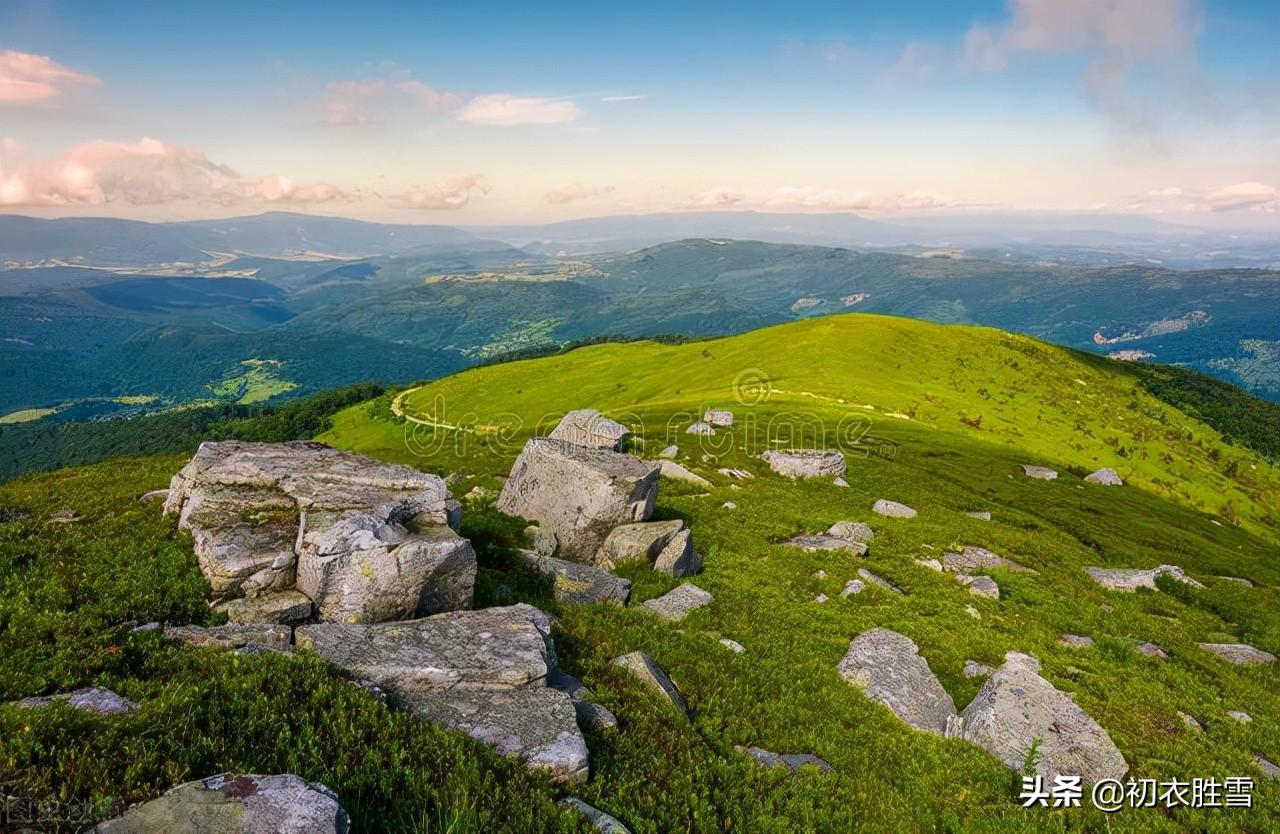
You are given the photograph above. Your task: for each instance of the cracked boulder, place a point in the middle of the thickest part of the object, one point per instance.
(1017, 708)
(577, 493)
(887, 666)
(588, 427)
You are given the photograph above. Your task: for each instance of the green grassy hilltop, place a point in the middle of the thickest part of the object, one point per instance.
(937, 417)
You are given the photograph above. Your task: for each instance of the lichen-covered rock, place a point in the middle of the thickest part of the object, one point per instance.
(229, 804)
(791, 761)
(588, 427)
(651, 675)
(1104, 477)
(356, 535)
(599, 820)
(248, 638)
(854, 531)
(805, 463)
(575, 582)
(678, 558)
(641, 542)
(974, 669)
(718, 418)
(811, 543)
(979, 558)
(1131, 579)
(89, 699)
(1040, 473)
(1242, 654)
(678, 602)
(888, 667)
(892, 509)
(1016, 707)
(282, 607)
(579, 494)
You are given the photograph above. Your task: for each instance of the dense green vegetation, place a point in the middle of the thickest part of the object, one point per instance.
(937, 417)
(40, 446)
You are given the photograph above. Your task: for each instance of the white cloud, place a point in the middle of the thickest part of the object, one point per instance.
(638, 97)
(713, 199)
(831, 199)
(357, 101)
(918, 61)
(503, 109)
(573, 192)
(26, 78)
(453, 193)
(1239, 196)
(145, 172)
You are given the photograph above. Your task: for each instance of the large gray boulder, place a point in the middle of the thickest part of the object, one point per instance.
(484, 673)
(678, 558)
(888, 667)
(588, 427)
(365, 540)
(1017, 708)
(805, 463)
(1131, 579)
(228, 804)
(579, 494)
(1241, 654)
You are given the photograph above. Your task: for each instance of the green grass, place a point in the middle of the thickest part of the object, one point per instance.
(66, 592)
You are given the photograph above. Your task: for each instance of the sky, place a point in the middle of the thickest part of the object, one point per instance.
(472, 113)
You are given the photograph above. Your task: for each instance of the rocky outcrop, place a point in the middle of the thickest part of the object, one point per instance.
(481, 672)
(791, 761)
(282, 607)
(892, 509)
(805, 463)
(1241, 654)
(649, 673)
(575, 582)
(1040, 473)
(979, 558)
(89, 699)
(678, 602)
(588, 427)
(579, 494)
(640, 542)
(888, 667)
(718, 418)
(1104, 477)
(246, 638)
(1017, 708)
(364, 540)
(1131, 579)
(229, 804)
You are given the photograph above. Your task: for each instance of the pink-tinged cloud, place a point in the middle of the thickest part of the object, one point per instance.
(507, 110)
(26, 78)
(142, 173)
(355, 101)
(831, 199)
(576, 191)
(1239, 196)
(714, 198)
(453, 193)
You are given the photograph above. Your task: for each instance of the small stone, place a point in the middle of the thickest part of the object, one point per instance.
(732, 645)
(1268, 768)
(64, 517)
(1040, 473)
(89, 699)
(719, 419)
(669, 453)
(700, 428)
(820, 574)
(1191, 722)
(673, 470)
(594, 716)
(1239, 653)
(974, 669)
(876, 579)
(651, 675)
(729, 505)
(599, 820)
(791, 761)
(1241, 716)
(1104, 477)
(853, 587)
(820, 598)
(1075, 641)
(972, 612)
(980, 586)
(678, 602)
(574, 582)
(735, 474)
(981, 515)
(1152, 650)
(893, 509)
(854, 531)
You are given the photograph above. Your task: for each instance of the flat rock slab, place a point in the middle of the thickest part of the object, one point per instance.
(575, 582)
(718, 418)
(229, 804)
(892, 509)
(805, 463)
(247, 638)
(1242, 654)
(588, 427)
(639, 542)
(89, 699)
(811, 543)
(678, 602)
(579, 494)
(599, 820)
(879, 581)
(887, 666)
(979, 558)
(791, 761)
(493, 648)
(1016, 706)
(282, 607)
(980, 586)
(537, 723)
(677, 472)
(1076, 641)
(1040, 473)
(854, 531)
(1104, 477)
(1131, 579)
(651, 675)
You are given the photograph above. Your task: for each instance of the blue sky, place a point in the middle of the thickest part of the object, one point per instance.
(484, 112)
